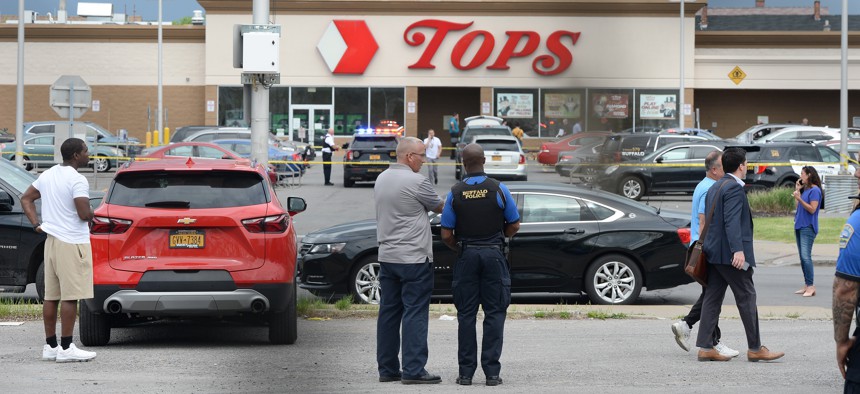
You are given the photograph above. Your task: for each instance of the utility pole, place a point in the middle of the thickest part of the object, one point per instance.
(159, 121)
(260, 97)
(19, 92)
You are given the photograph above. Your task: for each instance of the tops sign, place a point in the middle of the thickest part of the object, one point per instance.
(348, 47)
(556, 61)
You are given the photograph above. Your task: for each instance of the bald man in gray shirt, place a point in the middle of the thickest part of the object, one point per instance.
(403, 197)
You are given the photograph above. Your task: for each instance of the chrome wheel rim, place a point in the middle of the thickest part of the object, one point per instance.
(367, 284)
(614, 282)
(101, 164)
(631, 188)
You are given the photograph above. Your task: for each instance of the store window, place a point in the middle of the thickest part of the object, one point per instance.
(562, 110)
(610, 110)
(350, 110)
(279, 108)
(386, 104)
(519, 106)
(311, 95)
(656, 109)
(230, 111)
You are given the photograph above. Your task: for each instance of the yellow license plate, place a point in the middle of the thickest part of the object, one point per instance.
(375, 157)
(497, 158)
(187, 239)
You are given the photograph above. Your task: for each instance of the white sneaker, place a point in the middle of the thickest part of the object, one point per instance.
(682, 334)
(726, 351)
(73, 354)
(49, 353)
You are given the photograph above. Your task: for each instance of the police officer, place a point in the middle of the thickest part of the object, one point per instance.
(845, 301)
(479, 214)
(328, 148)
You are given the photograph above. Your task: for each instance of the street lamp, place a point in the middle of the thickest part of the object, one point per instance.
(681, 106)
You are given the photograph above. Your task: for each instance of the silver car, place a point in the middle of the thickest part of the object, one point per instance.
(505, 157)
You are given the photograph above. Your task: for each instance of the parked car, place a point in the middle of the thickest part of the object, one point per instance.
(571, 240)
(853, 147)
(6, 136)
(22, 251)
(197, 150)
(708, 134)
(94, 133)
(795, 154)
(675, 168)
(549, 150)
(39, 152)
(243, 149)
(801, 133)
(192, 238)
(475, 126)
(367, 155)
(569, 162)
(755, 132)
(504, 157)
(232, 133)
(181, 133)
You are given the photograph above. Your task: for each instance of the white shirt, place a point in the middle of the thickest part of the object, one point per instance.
(432, 147)
(577, 128)
(329, 140)
(59, 186)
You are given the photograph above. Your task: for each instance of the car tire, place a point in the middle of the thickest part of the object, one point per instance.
(788, 182)
(101, 164)
(348, 182)
(283, 328)
(40, 282)
(613, 280)
(94, 327)
(632, 187)
(364, 284)
(27, 164)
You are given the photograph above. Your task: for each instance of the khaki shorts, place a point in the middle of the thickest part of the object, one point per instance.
(68, 271)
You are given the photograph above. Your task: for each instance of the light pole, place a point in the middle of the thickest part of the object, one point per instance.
(843, 94)
(19, 92)
(160, 115)
(680, 106)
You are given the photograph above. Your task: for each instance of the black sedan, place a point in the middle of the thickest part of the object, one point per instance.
(571, 240)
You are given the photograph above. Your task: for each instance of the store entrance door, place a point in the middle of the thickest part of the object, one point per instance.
(310, 123)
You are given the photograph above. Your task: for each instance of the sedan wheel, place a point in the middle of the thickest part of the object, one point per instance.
(365, 284)
(632, 188)
(101, 164)
(613, 280)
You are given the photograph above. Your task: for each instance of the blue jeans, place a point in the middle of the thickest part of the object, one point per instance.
(406, 290)
(805, 236)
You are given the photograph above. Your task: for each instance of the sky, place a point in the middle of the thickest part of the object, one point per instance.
(176, 9)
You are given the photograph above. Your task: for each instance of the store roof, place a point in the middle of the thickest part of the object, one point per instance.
(776, 22)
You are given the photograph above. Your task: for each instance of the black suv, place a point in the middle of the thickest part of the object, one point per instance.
(21, 248)
(475, 126)
(367, 156)
(768, 175)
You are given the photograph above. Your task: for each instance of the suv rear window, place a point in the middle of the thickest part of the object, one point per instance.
(468, 134)
(499, 145)
(210, 189)
(374, 142)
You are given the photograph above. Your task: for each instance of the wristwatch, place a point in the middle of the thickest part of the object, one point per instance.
(35, 226)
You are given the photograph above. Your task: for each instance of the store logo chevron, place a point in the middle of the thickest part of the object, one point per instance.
(347, 47)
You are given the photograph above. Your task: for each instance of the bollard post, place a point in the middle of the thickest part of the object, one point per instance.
(148, 141)
(155, 140)
(166, 135)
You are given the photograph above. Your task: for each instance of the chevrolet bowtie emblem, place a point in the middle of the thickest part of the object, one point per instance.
(186, 221)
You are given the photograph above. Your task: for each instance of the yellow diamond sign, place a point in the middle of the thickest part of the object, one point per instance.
(737, 75)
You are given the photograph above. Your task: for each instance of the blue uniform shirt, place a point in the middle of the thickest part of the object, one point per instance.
(848, 263)
(449, 219)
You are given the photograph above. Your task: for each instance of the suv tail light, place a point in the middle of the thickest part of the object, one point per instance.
(268, 224)
(522, 159)
(684, 234)
(106, 225)
(760, 169)
(297, 157)
(349, 155)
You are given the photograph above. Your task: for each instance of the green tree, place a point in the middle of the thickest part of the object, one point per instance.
(184, 21)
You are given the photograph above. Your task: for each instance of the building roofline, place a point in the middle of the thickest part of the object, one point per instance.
(772, 39)
(102, 33)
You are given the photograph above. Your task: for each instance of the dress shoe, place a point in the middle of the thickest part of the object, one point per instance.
(329, 184)
(464, 381)
(810, 291)
(494, 380)
(801, 291)
(763, 354)
(385, 379)
(427, 378)
(712, 355)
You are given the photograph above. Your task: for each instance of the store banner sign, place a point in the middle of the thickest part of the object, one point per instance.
(562, 105)
(658, 106)
(610, 106)
(515, 105)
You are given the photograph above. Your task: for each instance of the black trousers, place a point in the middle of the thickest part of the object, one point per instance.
(696, 314)
(327, 166)
(721, 276)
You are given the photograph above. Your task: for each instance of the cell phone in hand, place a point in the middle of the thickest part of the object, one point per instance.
(746, 266)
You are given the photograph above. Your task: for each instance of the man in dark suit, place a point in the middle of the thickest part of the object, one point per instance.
(728, 247)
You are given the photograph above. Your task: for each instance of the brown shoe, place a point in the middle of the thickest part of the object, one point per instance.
(712, 355)
(763, 354)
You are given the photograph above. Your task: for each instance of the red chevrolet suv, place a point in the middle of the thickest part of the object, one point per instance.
(186, 238)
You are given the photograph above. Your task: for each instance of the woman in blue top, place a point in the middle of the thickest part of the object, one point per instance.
(808, 195)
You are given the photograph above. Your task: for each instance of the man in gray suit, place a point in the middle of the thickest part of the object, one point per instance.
(728, 247)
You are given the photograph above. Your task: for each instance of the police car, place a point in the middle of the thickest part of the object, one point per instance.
(368, 154)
